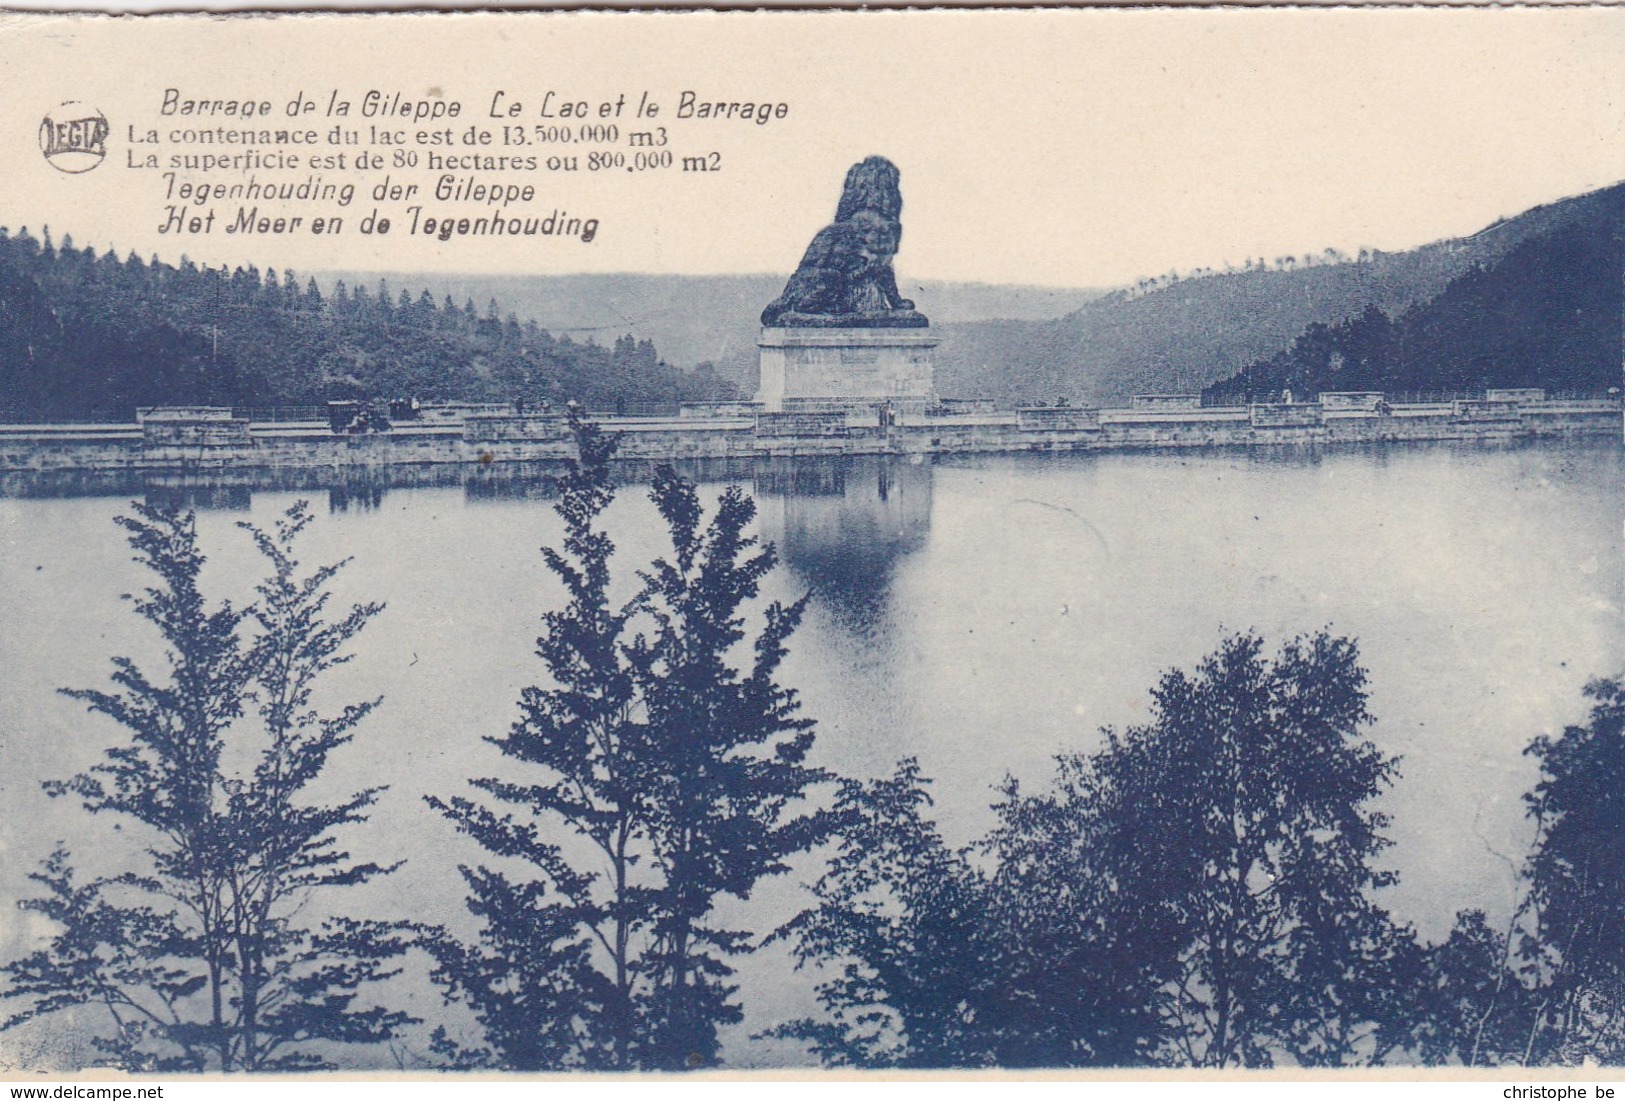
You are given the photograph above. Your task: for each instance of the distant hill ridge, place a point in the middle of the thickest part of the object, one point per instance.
(1024, 344)
(696, 319)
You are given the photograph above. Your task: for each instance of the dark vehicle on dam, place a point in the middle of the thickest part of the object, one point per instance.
(356, 418)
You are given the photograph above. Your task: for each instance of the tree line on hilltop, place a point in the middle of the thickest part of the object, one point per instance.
(1205, 889)
(87, 335)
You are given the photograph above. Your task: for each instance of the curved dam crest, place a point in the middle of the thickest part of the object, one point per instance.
(201, 438)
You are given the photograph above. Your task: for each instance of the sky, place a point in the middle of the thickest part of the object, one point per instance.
(1070, 148)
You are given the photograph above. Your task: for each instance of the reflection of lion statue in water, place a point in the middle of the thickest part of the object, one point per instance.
(845, 279)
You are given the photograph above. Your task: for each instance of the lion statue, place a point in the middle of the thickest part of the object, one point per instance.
(845, 279)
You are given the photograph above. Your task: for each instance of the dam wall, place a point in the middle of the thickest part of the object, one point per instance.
(194, 440)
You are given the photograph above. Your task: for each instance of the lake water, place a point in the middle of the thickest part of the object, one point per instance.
(980, 613)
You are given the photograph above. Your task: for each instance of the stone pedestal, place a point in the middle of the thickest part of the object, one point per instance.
(856, 368)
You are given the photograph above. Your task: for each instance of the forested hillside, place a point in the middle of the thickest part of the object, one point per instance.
(1531, 300)
(87, 335)
(1182, 334)
(1547, 314)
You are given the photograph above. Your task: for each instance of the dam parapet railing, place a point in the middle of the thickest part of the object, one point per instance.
(201, 438)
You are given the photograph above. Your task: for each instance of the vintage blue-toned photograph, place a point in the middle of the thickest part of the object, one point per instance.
(691, 541)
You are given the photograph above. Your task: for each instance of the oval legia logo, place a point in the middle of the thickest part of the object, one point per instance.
(73, 137)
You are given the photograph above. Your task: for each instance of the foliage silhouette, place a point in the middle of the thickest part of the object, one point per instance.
(1551, 988)
(1473, 1006)
(196, 952)
(1197, 893)
(1233, 837)
(672, 774)
(1576, 879)
(907, 915)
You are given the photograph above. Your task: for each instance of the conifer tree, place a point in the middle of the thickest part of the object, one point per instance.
(649, 749)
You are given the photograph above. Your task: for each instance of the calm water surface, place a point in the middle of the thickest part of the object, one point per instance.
(981, 614)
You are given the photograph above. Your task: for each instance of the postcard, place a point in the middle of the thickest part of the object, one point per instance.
(790, 540)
